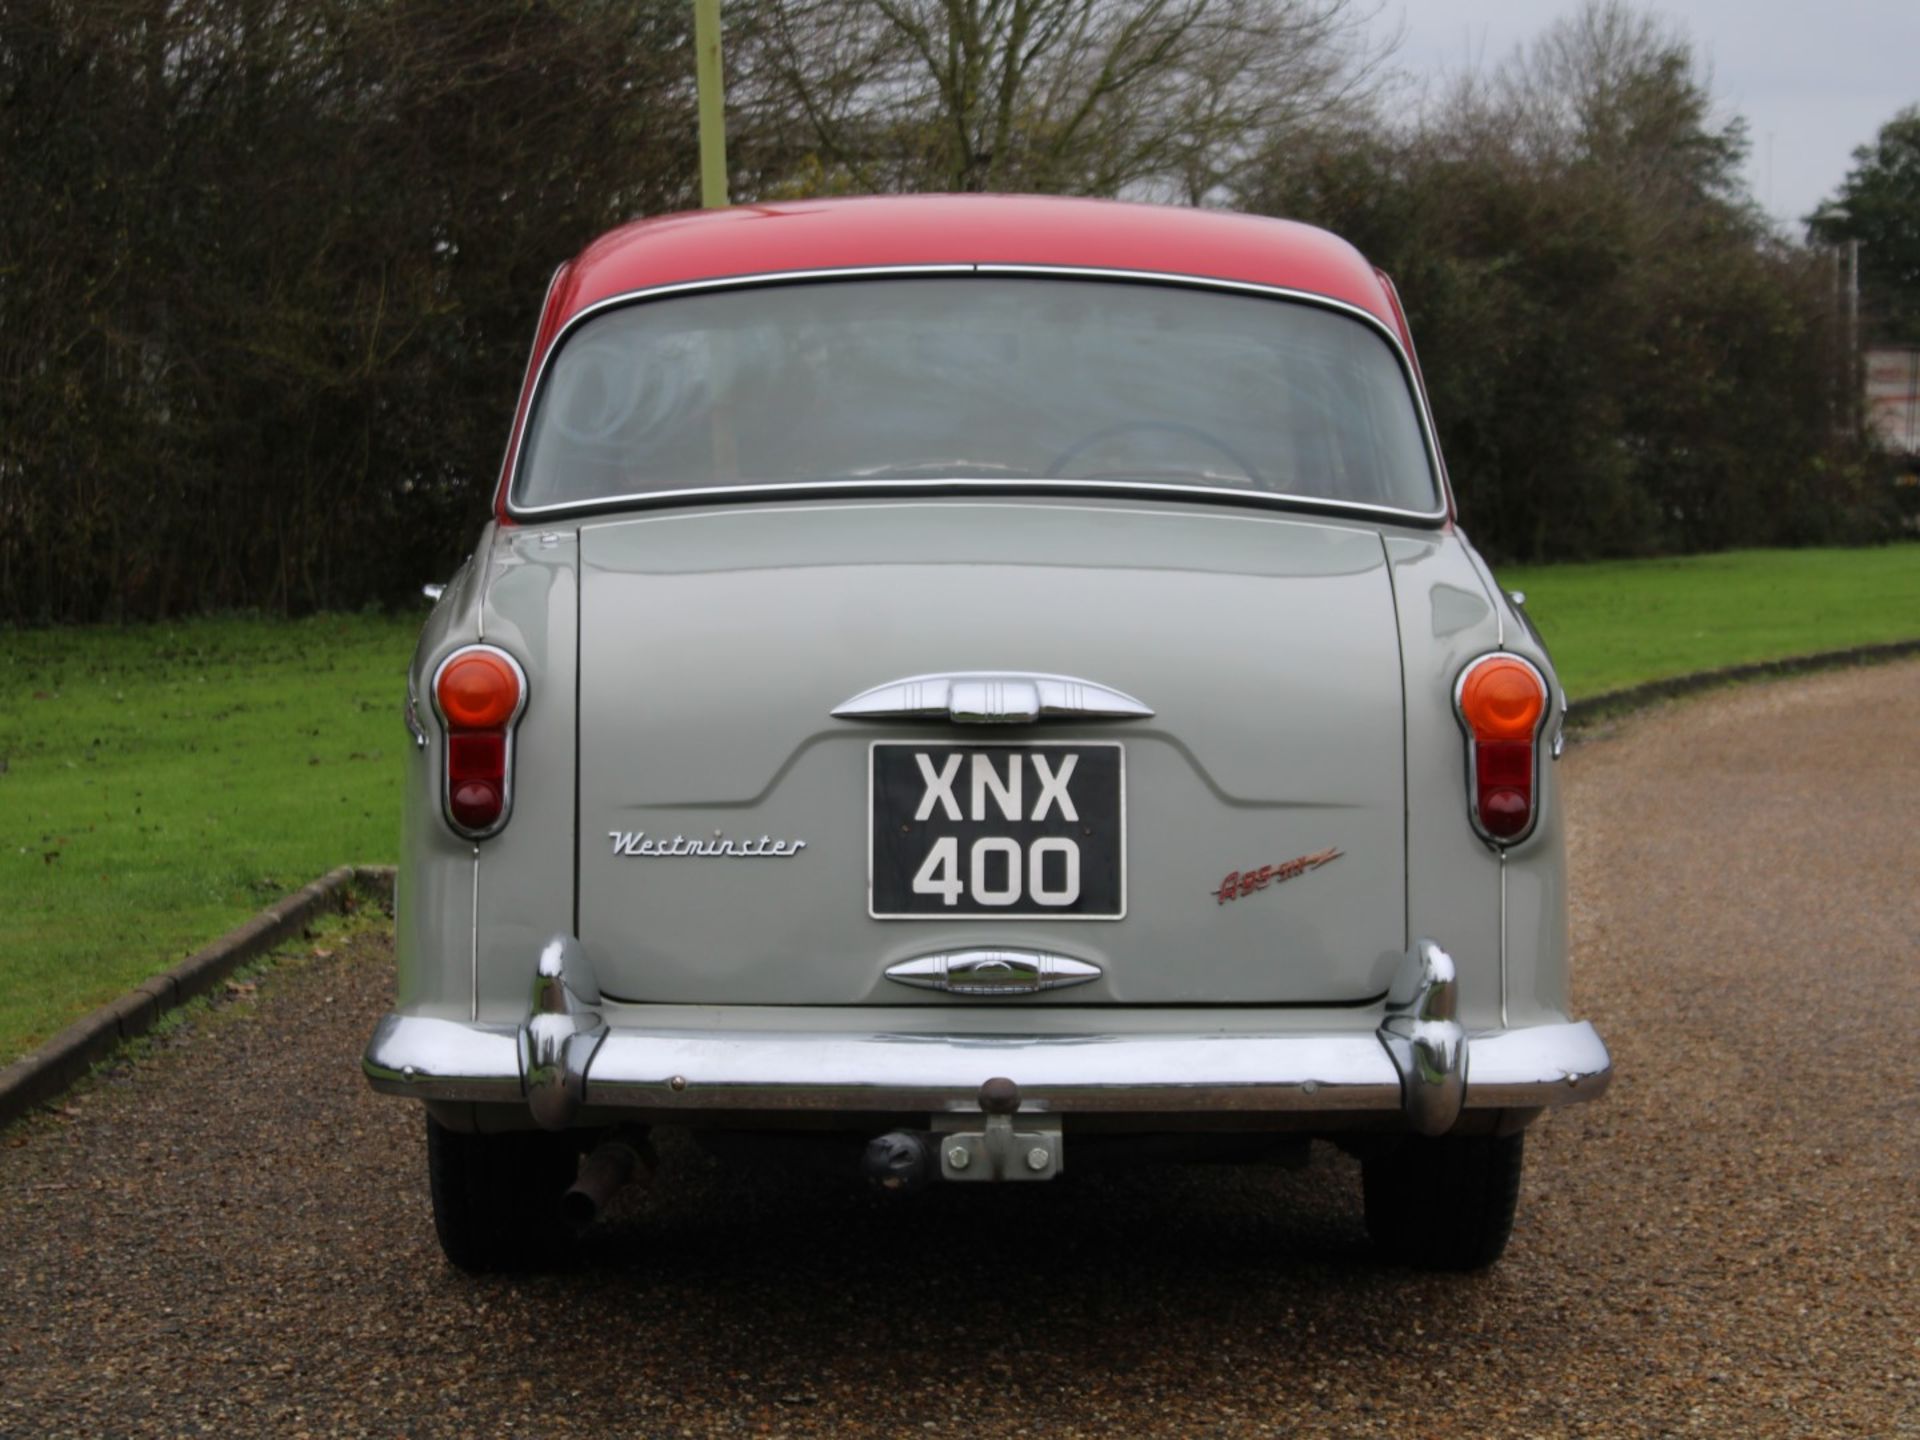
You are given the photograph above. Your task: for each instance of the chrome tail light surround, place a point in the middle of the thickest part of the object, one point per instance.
(1490, 747)
(480, 739)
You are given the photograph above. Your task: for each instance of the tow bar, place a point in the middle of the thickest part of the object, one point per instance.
(954, 1149)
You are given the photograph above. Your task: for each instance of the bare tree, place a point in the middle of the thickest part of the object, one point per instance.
(1622, 356)
(1621, 88)
(1164, 97)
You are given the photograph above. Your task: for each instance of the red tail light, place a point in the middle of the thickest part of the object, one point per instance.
(1502, 702)
(479, 693)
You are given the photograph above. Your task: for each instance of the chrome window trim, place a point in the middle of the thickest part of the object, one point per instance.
(517, 435)
(1259, 499)
(512, 727)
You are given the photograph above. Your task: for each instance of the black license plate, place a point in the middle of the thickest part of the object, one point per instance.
(974, 831)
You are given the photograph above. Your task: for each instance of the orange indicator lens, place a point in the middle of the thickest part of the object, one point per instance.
(478, 691)
(1502, 699)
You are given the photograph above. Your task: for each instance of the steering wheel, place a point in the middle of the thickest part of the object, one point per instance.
(1172, 427)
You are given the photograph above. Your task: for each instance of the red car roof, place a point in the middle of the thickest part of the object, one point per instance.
(969, 229)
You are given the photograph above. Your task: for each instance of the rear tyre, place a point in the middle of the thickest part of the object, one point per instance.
(496, 1198)
(1445, 1203)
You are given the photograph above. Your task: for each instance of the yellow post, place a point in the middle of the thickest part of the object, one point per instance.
(713, 103)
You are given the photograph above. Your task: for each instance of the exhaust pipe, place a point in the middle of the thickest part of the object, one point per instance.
(608, 1169)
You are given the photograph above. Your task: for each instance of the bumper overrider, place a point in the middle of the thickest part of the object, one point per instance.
(1419, 1061)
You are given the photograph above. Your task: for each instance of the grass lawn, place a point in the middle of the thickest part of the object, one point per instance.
(159, 784)
(1616, 623)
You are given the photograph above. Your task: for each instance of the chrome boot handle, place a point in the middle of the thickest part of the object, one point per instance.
(991, 697)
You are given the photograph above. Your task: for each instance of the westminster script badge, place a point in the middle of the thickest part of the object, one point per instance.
(638, 842)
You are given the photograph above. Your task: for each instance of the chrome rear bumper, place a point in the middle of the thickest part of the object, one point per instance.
(1418, 1062)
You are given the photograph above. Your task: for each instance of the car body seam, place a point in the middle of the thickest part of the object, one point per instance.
(1406, 750)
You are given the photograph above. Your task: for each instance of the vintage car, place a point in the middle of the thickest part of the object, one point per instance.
(987, 687)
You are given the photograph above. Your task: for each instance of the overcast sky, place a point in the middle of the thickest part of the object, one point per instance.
(1814, 78)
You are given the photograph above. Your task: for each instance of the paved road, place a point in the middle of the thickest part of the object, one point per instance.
(232, 1235)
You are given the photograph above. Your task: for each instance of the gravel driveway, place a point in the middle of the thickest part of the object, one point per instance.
(232, 1235)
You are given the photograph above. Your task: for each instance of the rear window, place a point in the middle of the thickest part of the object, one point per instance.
(975, 377)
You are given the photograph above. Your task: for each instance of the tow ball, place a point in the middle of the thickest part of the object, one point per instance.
(960, 1148)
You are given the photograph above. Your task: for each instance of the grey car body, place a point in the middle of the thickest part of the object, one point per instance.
(685, 913)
